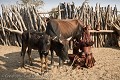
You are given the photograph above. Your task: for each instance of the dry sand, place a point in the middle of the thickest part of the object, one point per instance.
(107, 66)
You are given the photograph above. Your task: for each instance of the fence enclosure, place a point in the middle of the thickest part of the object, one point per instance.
(15, 20)
(105, 26)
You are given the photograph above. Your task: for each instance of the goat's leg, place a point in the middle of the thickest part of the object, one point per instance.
(29, 56)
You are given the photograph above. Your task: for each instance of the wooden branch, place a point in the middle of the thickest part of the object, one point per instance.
(30, 20)
(20, 18)
(117, 28)
(2, 41)
(118, 41)
(3, 31)
(34, 19)
(101, 31)
(13, 31)
(59, 12)
(18, 21)
(12, 23)
(41, 24)
(44, 12)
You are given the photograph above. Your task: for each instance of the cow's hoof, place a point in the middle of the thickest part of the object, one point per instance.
(46, 70)
(50, 66)
(31, 64)
(59, 67)
(42, 73)
(42, 70)
(22, 66)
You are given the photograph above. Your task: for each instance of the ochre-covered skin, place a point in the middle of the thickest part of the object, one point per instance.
(85, 57)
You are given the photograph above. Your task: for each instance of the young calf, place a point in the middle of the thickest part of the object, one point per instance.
(38, 41)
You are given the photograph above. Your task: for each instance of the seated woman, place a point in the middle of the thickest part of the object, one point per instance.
(83, 57)
(85, 46)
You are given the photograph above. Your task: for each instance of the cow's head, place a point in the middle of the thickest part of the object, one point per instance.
(61, 49)
(65, 47)
(44, 43)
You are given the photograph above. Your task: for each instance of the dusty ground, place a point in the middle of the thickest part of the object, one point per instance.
(107, 66)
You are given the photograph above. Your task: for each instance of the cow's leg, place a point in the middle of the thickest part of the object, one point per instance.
(41, 57)
(60, 62)
(70, 44)
(23, 51)
(23, 55)
(52, 59)
(29, 56)
(46, 61)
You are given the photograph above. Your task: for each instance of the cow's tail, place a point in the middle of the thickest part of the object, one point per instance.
(28, 37)
(25, 40)
(21, 53)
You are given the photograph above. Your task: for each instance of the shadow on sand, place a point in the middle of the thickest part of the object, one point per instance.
(10, 69)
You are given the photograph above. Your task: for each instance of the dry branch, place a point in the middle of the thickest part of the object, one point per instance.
(12, 31)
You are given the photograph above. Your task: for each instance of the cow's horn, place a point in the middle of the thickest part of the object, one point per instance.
(54, 38)
(69, 38)
(60, 41)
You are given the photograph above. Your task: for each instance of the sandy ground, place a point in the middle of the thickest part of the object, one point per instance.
(107, 66)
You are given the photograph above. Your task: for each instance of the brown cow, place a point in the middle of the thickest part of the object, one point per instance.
(61, 31)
